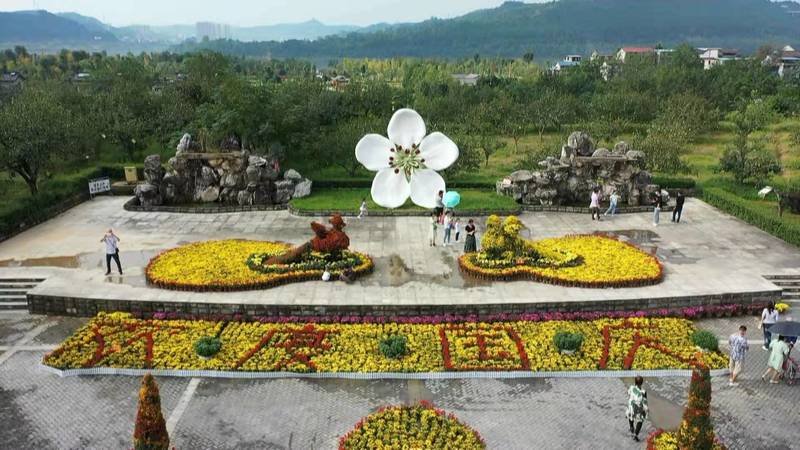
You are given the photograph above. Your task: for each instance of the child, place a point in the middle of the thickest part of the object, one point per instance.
(362, 210)
(434, 226)
(457, 226)
(448, 227)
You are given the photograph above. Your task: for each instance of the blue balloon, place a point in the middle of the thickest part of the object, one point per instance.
(451, 199)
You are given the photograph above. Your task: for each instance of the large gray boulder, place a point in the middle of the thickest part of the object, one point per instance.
(148, 195)
(292, 175)
(581, 142)
(209, 194)
(284, 190)
(153, 172)
(302, 189)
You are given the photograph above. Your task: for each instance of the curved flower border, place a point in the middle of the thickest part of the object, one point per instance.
(468, 265)
(451, 420)
(656, 438)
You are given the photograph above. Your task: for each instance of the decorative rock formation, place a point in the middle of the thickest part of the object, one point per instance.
(230, 176)
(569, 180)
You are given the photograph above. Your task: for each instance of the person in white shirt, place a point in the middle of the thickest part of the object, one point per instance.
(362, 210)
(595, 203)
(448, 223)
(613, 200)
(769, 316)
(112, 250)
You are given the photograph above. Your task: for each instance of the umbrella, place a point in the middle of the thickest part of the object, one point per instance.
(787, 328)
(451, 199)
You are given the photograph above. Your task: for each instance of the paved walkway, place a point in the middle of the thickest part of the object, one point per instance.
(708, 253)
(39, 410)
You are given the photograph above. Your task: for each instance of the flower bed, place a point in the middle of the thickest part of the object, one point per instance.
(226, 266)
(604, 262)
(411, 427)
(668, 440)
(120, 341)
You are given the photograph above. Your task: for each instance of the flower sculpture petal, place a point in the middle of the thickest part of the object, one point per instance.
(407, 161)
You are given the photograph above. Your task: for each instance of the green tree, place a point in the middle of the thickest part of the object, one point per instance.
(746, 160)
(37, 133)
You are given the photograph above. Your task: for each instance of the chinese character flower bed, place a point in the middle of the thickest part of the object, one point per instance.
(120, 341)
(411, 427)
(601, 262)
(236, 265)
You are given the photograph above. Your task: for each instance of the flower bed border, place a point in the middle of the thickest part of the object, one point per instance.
(526, 272)
(278, 279)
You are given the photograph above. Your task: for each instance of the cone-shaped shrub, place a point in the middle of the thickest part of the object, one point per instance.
(151, 430)
(696, 431)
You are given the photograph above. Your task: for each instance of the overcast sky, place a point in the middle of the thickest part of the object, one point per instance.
(255, 12)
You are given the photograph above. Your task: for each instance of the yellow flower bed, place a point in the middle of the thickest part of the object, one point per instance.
(222, 265)
(411, 427)
(668, 440)
(118, 340)
(605, 262)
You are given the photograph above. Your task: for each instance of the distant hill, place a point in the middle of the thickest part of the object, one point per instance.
(552, 30)
(312, 29)
(38, 27)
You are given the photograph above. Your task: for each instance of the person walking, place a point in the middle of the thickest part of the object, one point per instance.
(636, 410)
(659, 204)
(613, 201)
(679, 201)
(739, 347)
(594, 205)
(470, 244)
(112, 250)
(362, 210)
(769, 316)
(448, 227)
(439, 210)
(434, 226)
(779, 350)
(457, 227)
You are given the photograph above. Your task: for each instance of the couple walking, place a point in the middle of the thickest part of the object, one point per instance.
(594, 205)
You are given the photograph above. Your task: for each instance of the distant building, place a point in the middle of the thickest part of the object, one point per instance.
(713, 57)
(82, 77)
(784, 61)
(600, 57)
(11, 81)
(212, 31)
(663, 53)
(339, 82)
(466, 79)
(625, 52)
(568, 62)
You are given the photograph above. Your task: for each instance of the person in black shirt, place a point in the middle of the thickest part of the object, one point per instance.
(676, 214)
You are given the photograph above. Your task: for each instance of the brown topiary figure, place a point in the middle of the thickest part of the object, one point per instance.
(696, 431)
(151, 430)
(327, 240)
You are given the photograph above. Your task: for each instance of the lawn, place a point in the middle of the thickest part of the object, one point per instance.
(348, 201)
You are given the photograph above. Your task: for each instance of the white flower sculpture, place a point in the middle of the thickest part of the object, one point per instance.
(406, 162)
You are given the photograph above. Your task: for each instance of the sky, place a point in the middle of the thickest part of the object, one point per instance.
(255, 12)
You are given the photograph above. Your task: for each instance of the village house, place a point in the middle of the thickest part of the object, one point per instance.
(11, 81)
(625, 52)
(466, 79)
(784, 61)
(713, 57)
(568, 62)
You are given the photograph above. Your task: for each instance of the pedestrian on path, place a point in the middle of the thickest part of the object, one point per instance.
(594, 205)
(439, 210)
(434, 225)
(659, 204)
(779, 350)
(679, 201)
(362, 210)
(739, 347)
(470, 244)
(448, 227)
(112, 250)
(612, 207)
(637, 409)
(769, 316)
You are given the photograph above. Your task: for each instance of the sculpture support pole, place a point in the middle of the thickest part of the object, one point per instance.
(294, 254)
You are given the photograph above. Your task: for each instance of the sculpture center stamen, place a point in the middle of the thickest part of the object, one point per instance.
(407, 160)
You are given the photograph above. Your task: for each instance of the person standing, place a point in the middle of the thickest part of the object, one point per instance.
(679, 201)
(613, 201)
(594, 206)
(448, 224)
(434, 225)
(739, 347)
(659, 204)
(457, 227)
(439, 210)
(470, 244)
(362, 210)
(637, 409)
(779, 350)
(112, 250)
(769, 316)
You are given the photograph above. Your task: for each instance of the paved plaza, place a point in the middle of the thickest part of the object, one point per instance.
(42, 411)
(707, 253)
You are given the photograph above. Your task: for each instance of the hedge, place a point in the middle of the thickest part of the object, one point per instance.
(740, 208)
(367, 184)
(667, 182)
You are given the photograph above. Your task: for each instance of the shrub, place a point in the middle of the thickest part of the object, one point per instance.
(207, 346)
(394, 346)
(566, 341)
(667, 182)
(696, 430)
(705, 340)
(151, 430)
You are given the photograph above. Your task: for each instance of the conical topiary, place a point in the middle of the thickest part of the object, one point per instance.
(151, 430)
(696, 431)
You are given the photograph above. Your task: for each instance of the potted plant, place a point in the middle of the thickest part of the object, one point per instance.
(705, 341)
(568, 343)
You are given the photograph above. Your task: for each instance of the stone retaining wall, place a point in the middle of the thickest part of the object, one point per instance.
(85, 307)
